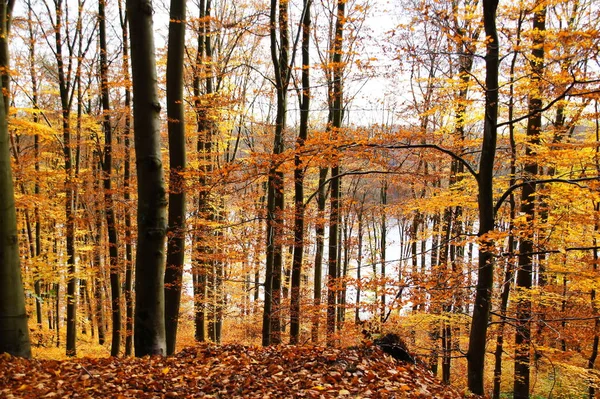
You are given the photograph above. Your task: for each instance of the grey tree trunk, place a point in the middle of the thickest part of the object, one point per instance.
(14, 332)
(149, 318)
(177, 166)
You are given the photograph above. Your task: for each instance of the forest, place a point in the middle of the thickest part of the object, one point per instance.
(255, 180)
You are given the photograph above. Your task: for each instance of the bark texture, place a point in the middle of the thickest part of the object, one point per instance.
(149, 318)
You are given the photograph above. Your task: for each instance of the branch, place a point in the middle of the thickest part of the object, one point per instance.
(436, 147)
(564, 94)
(541, 181)
(551, 251)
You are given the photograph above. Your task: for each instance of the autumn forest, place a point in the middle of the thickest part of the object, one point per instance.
(303, 174)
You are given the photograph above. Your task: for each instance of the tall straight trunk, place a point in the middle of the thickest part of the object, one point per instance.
(271, 331)
(319, 249)
(528, 196)
(69, 183)
(149, 338)
(485, 275)
(127, 192)
(596, 256)
(203, 247)
(37, 285)
(510, 266)
(109, 210)
(14, 332)
(383, 198)
(335, 110)
(359, 262)
(177, 166)
(299, 180)
(98, 277)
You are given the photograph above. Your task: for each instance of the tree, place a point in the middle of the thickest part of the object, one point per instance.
(334, 125)
(299, 173)
(278, 18)
(14, 332)
(177, 165)
(485, 275)
(528, 196)
(107, 166)
(149, 319)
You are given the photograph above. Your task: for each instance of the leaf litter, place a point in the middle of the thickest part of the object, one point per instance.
(227, 371)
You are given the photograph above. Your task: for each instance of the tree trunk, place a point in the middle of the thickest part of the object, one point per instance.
(271, 332)
(14, 332)
(335, 124)
(320, 243)
(113, 244)
(177, 166)
(149, 338)
(485, 276)
(528, 196)
(299, 180)
(69, 200)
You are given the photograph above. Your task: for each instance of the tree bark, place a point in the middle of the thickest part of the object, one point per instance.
(14, 332)
(528, 196)
(149, 338)
(271, 332)
(320, 243)
(485, 276)
(299, 180)
(177, 166)
(335, 124)
(129, 305)
(113, 244)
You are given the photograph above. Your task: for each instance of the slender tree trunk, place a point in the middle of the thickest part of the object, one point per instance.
(383, 198)
(98, 277)
(528, 197)
(320, 244)
(36, 148)
(113, 244)
(69, 184)
(485, 280)
(359, 262)
(335, 125)
(271, 332)
(129, 305)
(149, 338)
(203, 251)
(299, 180)
(14, 332)
(177, 161)
(596, 255)
(510, 266)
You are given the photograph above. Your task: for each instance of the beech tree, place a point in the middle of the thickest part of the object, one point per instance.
(107, 166)
(485, 275)
(149, 322)
(177, 165)
(14, 332)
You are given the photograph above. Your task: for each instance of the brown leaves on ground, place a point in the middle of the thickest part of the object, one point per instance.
(228, 371)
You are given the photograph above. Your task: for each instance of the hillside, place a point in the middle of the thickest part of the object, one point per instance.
(229, 371)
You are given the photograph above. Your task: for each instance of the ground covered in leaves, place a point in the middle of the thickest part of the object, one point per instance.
(228, 371)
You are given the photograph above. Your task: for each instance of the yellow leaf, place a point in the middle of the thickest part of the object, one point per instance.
(319, 388)
(165, 370)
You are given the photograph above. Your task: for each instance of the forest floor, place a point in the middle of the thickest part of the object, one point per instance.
(228, 371)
